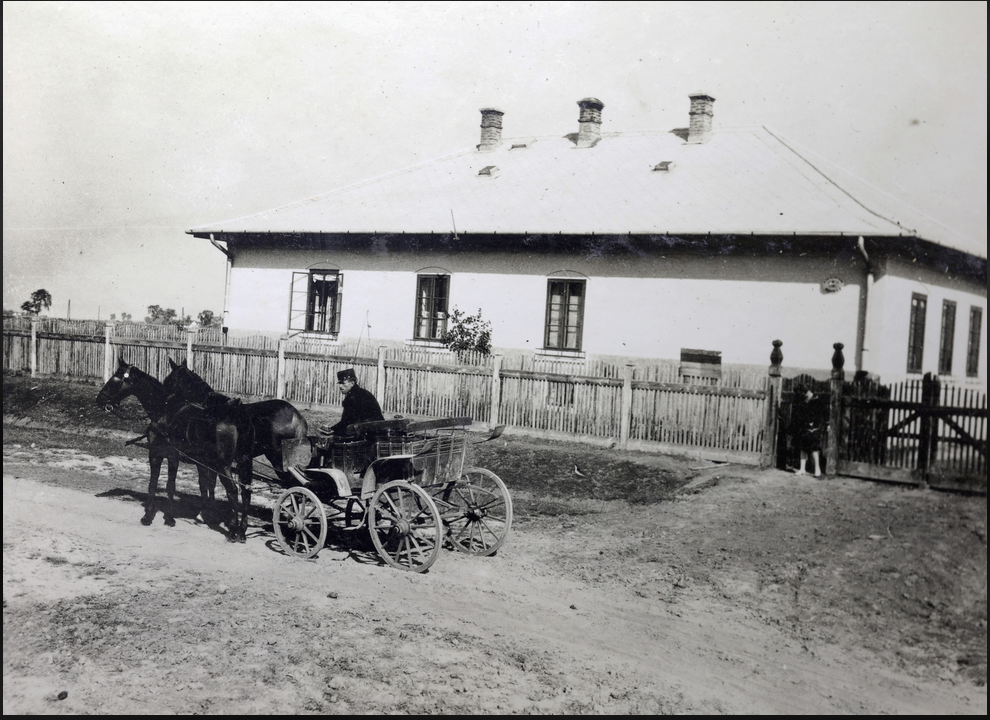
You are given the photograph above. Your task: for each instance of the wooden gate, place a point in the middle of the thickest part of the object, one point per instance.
(918, 431)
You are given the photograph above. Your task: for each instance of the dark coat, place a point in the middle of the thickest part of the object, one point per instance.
(359, 406)
(808, 420)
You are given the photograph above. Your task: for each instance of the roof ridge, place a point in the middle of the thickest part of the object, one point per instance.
(791, 145)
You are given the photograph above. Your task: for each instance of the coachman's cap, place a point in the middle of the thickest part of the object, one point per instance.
(345, 375)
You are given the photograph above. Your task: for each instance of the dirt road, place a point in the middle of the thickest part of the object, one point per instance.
(751, 592)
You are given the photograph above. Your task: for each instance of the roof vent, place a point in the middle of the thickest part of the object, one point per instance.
(488, 170)
(664, 166)
(701, 118)
(491, 129)
(519, 146)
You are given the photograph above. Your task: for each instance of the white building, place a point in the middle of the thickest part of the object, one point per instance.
(622, 244)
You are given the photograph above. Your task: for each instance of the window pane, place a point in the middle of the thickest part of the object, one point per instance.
(565, 311)
(973, 345)
(948, 337)
(431, 307)
(321, 301)
(916, 333)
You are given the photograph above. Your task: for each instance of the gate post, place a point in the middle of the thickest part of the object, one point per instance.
(835, 411)
(928, 435)
(280, 371)
(625, 421)
(380, 379)
(34, 347)
(190, 336)
(774, 382)
(496, 389)
(108, 352)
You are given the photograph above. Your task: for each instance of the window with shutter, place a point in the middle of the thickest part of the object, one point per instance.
(315, 301)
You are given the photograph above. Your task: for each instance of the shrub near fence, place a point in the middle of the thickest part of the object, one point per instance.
(640, 405)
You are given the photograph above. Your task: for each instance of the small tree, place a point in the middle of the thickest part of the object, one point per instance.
(157, 315)
(208, 318)
(467, 333)
(40, 298)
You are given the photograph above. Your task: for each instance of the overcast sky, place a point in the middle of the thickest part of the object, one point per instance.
(127, 123)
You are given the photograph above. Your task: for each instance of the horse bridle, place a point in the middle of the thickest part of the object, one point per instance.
(111, 406)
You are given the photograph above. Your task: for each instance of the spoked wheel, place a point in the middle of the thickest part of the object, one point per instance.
(300, 522)
(405, 526)
(476, 510)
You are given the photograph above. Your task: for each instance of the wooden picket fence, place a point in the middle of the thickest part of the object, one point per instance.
(920, 431)
(645, 406)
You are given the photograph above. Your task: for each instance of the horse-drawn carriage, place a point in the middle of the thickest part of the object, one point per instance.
(404, 481)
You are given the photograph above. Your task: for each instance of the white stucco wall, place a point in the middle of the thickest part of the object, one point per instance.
(891, 301)
(737, 308)
(741, 318)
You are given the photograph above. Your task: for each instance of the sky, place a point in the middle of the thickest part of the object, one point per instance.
(127, 123)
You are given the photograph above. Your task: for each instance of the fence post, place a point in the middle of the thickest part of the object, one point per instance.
(380, 380)
(190, 336)
(774, 382)
(496, 389)
(279, 370)
(626, 420)
(34, 347)
(835, 411)
(927, 447)
(108, 351)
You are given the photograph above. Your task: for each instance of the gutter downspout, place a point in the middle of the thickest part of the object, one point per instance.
(864, 364)
(226, 284)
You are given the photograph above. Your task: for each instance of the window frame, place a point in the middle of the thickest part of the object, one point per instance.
(916, 333)
(973, 341)
(315, 302)
(563, 328)
(426, 311)
(947, 337)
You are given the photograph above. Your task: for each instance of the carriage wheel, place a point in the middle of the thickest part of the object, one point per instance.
(477, 511)
(405, 526)
(300, 522)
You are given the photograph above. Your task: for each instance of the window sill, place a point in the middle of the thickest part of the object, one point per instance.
(426, 345)
(560, 354)
(329, 338)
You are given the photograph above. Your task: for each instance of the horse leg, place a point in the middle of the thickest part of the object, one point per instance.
(207, 490)
(155, 462)
(173, 470)
(244, 473)
(228, 485)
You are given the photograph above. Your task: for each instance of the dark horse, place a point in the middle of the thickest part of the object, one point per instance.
(213, 439)
(271, 420)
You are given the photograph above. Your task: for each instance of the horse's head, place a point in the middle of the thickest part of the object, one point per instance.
(118, 387)
(185, 384)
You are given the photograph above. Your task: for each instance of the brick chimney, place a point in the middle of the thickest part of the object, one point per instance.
(701, 118)
(491, 129)
(589, 122)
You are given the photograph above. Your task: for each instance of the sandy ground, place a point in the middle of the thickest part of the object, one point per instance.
(714, 602)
